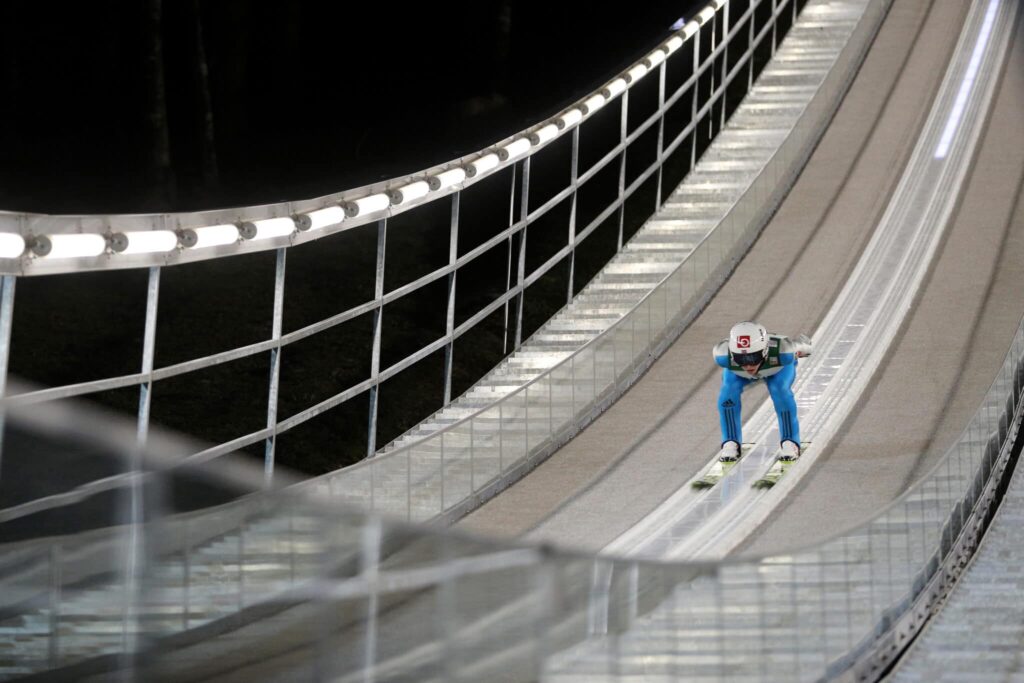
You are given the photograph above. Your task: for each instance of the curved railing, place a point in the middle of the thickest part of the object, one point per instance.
(452, 469)
(352, 597)
(597, 168)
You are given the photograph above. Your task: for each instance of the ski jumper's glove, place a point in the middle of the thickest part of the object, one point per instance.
(801, 345)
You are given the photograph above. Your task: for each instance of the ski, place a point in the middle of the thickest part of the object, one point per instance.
(777, 470)
(718, 469)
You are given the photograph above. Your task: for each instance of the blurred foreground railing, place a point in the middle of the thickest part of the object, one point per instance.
(300, 339)
(300, 588)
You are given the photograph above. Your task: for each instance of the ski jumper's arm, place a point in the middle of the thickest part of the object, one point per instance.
(721, 353)
(799, 346)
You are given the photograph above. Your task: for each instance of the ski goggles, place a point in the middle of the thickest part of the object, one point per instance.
(754, 358)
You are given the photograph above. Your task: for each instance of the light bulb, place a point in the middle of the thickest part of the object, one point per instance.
(655, 58)
(321, 218)
(69, 246)
(410, 192)
(12, 245)
(636, 73)
(209, 236)
(592, 104)
(705, 15)
(614, 88)
(144, 242)
(446, 179)
(673, 44)
(482, 165)
(513, 149)
(365, 205)
(544, 134)
(268, 228)
(569, 118)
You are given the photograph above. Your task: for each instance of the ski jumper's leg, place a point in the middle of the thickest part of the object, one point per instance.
(729, 406)
(780, 387)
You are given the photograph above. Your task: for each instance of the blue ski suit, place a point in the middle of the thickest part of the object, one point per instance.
(778, 372)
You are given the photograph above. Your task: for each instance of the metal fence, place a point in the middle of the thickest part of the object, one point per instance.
(606, 162)
(449, 470)
(300, 588)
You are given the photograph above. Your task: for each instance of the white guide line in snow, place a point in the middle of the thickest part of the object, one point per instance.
(859, 328)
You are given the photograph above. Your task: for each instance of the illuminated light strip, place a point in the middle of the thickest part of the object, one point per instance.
(322, 218)
(69, 246)
(410, 192)
(162, 241)
(482, 165)
(544, 134)
(12, 245)
(446, 179)
(209, 236)
(268, 228)
(364, 205)
(614, 88)
(636, 73)
(655, 58)
(514, 149)
(144, 242)
(592, 104)
(953, 122)
(569, 118)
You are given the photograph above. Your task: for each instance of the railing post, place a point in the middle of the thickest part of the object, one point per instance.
(275, 368)
(574, 170)
(694, 97)
(508, 265)
(661, 132)
(135, 552)
(726, 8)
(714, 75)
(56, 560)
(775, 26)
(453, 256)
(750, 46)
(370, 556)
(6, 322)
(378, 293)
(623, 134)
(148, 352)
(524, 212)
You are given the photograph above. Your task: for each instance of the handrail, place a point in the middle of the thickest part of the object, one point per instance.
(116, 241)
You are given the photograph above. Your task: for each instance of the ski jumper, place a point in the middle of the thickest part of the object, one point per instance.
(777, 371)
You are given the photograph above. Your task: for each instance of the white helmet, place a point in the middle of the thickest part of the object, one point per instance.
(748, 343)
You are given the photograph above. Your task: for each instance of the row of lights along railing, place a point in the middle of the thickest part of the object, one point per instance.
(331, 217)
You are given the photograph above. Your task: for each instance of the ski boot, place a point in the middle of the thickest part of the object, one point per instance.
(790, 451)
(730, 452)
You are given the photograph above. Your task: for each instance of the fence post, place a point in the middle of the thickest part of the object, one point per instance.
(275, 369)
(6, 321)
(378, 313)
(453, 256)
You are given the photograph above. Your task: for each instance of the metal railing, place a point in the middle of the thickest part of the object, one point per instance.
(682, 86)
(450, 470)
(343, 595)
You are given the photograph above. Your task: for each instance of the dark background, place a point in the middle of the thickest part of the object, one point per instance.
(154, 105)
(115, 107)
